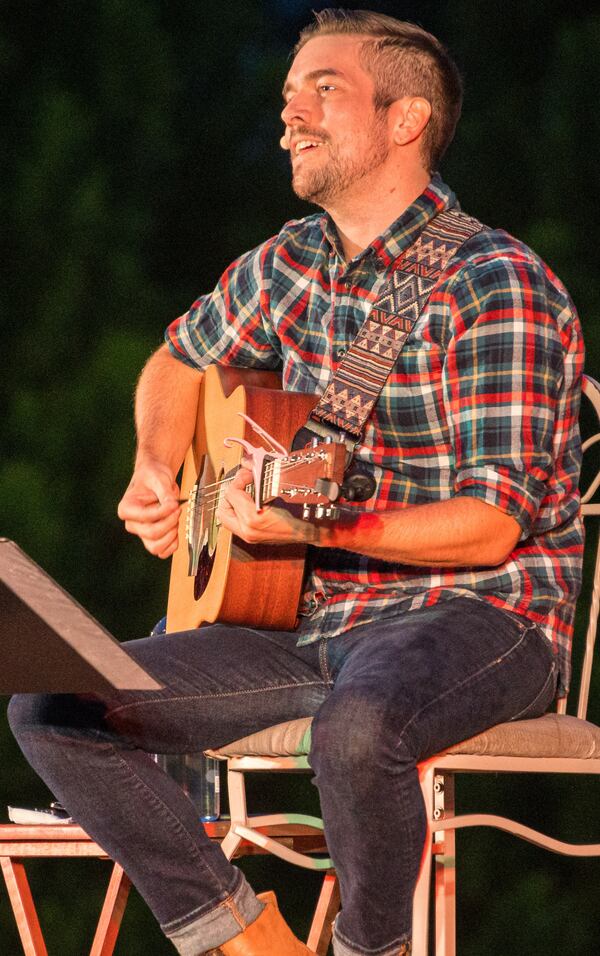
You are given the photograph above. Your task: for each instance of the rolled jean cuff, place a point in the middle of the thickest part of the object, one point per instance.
(220, 924)
(342, 948)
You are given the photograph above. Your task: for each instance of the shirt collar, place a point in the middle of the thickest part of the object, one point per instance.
(397, 238)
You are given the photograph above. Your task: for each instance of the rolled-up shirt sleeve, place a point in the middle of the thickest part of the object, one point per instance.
(230, 325)
(503, 376)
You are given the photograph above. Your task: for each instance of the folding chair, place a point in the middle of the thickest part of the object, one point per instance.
(554, 743)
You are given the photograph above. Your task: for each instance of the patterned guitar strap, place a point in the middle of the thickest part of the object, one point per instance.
(349, 398)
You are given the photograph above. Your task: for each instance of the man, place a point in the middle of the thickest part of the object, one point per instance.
(443, 607)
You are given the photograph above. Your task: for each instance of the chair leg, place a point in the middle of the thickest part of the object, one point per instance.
(236, 789)
(238, 811)
(445, 878)
(421, 903)
(23, 907)
(420, 931)
(230, 843)
(112, 913)
(326, 910)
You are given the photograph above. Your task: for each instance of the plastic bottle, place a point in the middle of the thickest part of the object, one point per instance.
(198, 776)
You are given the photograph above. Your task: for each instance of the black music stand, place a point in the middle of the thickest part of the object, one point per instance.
(49, 643)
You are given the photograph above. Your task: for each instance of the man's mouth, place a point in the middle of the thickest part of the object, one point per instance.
(305, 145)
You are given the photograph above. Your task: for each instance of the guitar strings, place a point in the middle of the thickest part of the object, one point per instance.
(269, 466)
(203, 498)
(208, 501)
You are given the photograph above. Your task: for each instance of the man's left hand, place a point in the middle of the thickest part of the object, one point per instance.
(237, 512)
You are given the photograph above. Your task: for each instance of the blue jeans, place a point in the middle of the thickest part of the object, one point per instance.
(384, 695)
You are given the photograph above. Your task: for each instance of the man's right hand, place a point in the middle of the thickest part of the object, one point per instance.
(150, 508)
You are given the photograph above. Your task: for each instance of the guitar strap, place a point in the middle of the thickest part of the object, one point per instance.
(351, 394)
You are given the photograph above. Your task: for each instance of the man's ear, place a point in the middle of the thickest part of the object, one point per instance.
(408, 117)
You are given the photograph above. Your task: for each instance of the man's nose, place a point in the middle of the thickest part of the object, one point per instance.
(297, 109)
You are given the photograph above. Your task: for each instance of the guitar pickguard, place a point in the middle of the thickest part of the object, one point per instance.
(201, 527)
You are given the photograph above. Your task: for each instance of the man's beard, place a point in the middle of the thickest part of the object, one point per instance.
(338, 173)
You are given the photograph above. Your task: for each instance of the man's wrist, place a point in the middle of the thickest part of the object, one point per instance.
(146, 458)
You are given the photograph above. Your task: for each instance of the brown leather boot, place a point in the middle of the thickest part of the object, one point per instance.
(269, 935)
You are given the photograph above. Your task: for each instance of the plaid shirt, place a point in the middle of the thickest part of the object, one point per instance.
(483, 401)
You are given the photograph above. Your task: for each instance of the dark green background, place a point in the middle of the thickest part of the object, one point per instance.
(140, 157)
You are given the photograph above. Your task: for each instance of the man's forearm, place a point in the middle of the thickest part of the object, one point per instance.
(460, 532)
(165, 409)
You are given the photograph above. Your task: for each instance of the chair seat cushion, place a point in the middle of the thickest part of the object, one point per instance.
(290, 739)
(553, 735)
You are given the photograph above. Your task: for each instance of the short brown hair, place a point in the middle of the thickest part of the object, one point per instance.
(404, 60)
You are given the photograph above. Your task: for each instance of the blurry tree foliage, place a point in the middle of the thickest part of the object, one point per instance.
(140, 156)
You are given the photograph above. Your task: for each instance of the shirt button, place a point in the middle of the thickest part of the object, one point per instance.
(339, 354)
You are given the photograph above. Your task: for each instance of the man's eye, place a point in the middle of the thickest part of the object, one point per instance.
(326, 86)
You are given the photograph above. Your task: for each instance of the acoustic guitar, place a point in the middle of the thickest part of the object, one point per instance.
(243, 415)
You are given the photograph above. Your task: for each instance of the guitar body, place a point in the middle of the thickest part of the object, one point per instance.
(237, 583)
